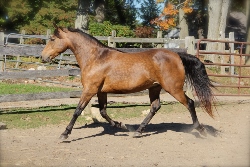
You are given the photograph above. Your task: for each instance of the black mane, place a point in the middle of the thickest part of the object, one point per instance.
(91, 38)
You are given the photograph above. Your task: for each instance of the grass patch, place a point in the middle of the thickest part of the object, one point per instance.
(32, 118)
(44, 116)
(6, 88)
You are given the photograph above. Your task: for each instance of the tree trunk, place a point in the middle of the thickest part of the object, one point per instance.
(99, 10)
(247, 59)
(183, 24)
(217, 11)
(82, 20)
(223, 16)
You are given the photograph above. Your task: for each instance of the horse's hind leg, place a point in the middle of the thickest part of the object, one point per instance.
(189, 104)
(154, 95)
(102, 100)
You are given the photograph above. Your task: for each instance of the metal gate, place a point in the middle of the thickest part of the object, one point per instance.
(228, 70)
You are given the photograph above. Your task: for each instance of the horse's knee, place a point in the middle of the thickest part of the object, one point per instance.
(78, 111)
(156, 106)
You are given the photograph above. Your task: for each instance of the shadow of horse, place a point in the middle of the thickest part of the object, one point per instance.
(152, 129)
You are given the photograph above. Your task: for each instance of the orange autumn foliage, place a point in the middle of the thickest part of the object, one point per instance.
(167, 18)
(186, 7)
(159, 1)
(170, 10)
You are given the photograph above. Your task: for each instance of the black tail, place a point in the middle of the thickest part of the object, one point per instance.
(196, 74)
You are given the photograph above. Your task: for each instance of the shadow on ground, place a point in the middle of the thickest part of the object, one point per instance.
(151, 129)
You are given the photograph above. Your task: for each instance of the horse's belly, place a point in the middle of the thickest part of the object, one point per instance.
(127, 87)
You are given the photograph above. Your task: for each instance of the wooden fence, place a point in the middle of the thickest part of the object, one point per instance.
(6, 48)
(20, 49)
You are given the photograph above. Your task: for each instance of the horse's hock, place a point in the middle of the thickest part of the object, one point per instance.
(94, 112)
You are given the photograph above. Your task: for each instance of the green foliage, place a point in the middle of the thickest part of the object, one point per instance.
(62, 12)
(36, 16)
(105, 29)
(120, 12)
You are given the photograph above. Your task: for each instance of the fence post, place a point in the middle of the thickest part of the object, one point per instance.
(21, 38)
(231, 46)
(189, 44)
(21, 42)
(159, 35)
(221, 48)
(114, 35)
(1, 56)
(111, 43)
(48, 35)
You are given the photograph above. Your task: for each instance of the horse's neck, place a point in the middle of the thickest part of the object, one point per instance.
(82, 49)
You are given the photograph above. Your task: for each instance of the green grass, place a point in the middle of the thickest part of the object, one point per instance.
(36, 117)
(6, 88)
(44, 116)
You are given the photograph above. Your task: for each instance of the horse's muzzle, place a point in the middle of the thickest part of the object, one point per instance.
(45, 59)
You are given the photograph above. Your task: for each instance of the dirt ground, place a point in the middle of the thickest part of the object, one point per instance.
(167, 141)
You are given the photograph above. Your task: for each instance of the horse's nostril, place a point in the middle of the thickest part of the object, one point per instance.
(45, 60)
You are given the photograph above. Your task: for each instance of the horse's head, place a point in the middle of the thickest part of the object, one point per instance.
(57, 44)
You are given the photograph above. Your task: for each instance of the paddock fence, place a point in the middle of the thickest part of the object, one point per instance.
(66, 62)
(230, 65)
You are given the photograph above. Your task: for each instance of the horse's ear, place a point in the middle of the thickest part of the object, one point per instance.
(58, 31)
(55, 26)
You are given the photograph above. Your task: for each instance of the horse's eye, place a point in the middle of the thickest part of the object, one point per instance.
(52, 39)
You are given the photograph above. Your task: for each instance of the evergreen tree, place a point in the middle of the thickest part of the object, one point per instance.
(120, 12)
(35, 16)
(149, 11)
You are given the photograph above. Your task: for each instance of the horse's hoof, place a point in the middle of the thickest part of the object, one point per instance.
(63, 137)
(123, 126)
(202, 130)
(137, 135)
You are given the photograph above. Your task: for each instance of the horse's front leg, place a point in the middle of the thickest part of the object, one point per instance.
(102, 100)
(84, 100)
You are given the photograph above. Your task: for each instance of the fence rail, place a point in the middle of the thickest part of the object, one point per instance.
(6, 48)
(238, 84)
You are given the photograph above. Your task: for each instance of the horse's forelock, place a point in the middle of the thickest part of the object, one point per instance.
(57, 33)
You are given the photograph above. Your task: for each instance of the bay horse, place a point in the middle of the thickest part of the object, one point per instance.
(108, 70)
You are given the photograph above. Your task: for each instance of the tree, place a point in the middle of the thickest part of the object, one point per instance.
(120, 12)
(247, 59)
(35, 16)
(17, 13)
(3, 15)
(149, 11)
(99, 6)
(115, 11)
(217, 11)
(82, 19)
(169, 15)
